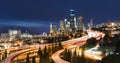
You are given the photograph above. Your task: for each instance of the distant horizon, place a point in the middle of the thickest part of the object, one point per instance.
(34, 27)
(31, 29)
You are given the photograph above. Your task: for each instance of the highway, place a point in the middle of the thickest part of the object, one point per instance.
(67, 44)
(24, 49)
(77, 42)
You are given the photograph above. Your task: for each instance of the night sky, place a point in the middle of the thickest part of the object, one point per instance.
(36, 15)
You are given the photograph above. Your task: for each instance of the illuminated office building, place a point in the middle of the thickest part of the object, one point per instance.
(72, 20)
(91, 25)
(80, 24)
(55, 28)
(62, 25)
(14, 32)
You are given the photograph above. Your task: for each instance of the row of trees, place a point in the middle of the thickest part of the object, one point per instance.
(45, 54)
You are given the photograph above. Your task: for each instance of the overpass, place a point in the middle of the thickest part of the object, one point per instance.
(66, 44)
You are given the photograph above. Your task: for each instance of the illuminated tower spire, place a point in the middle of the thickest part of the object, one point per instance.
(72, 13)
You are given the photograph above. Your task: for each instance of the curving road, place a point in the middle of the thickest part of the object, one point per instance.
(10, 58)
(74, 43)
(55, 57)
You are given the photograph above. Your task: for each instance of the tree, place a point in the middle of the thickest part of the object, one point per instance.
(91, 42)
(5, 53)
(39, 51)
(33, 59)
(60, 45)
(111, 59)
(117, 50)
(65, 54)
(27, 59)
(45, 50)
(69, 56)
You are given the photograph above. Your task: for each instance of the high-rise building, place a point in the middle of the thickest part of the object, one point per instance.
(91, 23)
(72, 19)
(55, 28)
(75, 22)
(80, 24)
(65, 21)
(67, 27)
(62, 28)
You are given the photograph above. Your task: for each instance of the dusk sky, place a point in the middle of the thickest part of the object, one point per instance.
(37, 14)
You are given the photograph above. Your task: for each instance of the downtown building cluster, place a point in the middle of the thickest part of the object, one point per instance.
(71, 25)
(75, 25)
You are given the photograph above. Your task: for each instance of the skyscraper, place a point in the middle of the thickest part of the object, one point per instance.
(55, 28)
(80, 24)
(72, 20)
(66, 25)
(91, 23)
(62, 25)
(75, 22)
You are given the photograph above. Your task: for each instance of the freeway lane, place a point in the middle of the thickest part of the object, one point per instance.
(65, 44)
(13, 55)
(29, 48)
(74, 43)
(56, 57)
